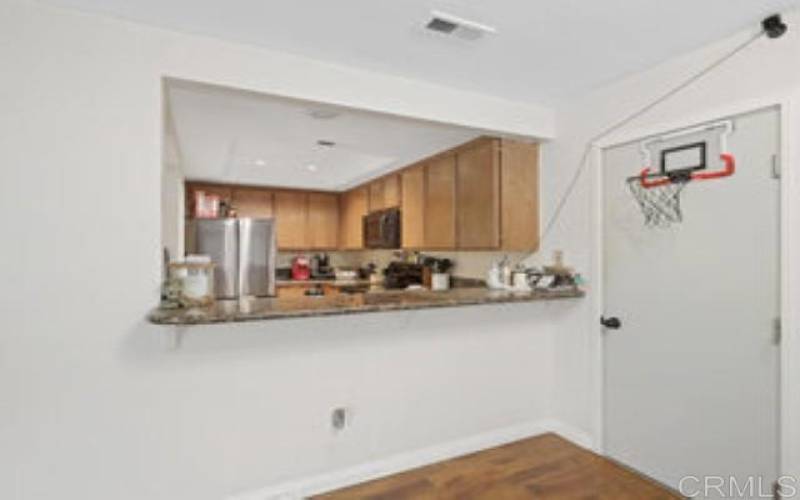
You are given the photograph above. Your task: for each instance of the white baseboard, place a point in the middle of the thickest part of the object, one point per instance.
(573, 434)
(302, 488)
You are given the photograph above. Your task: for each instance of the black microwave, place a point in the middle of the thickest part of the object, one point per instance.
(382, 229)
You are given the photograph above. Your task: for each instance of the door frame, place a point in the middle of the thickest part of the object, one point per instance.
(788, 107)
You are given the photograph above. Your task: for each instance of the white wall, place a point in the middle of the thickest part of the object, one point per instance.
(92, 405)
(766, 70)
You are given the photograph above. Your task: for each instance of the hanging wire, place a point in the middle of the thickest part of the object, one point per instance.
(629, 118)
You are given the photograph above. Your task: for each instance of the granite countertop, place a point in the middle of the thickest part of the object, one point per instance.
(255, 309)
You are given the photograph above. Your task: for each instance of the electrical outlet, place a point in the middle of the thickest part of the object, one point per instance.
(339, 418)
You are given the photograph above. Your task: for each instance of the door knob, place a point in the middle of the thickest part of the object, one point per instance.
(612, 323)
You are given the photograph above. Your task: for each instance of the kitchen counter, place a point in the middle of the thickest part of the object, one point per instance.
(376, 300)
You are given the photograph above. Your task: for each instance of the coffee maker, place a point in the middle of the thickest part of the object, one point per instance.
(320, 267)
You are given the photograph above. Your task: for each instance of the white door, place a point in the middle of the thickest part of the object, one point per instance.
(691, 377)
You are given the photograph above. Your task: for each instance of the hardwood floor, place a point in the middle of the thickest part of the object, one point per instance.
(545, 467)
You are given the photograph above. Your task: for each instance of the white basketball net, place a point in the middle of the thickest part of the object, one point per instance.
(660, 205)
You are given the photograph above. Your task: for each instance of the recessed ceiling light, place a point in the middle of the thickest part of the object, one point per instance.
(323, 114)
(311, 167)
(259, 162)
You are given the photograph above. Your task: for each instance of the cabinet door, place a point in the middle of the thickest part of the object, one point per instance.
(478, 195)
(391, 191)
(412, 206)
(252, 202)
(520, 196)
(353, 209)
(323, 220)
(440, 202)
(291, 291)
(291, 219)
(376, 196)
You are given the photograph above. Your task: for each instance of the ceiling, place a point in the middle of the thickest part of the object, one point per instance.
(234, 136)
(543, 50)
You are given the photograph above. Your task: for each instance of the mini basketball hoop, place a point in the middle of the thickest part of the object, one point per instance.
(659, 193)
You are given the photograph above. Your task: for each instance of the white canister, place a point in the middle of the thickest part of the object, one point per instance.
(520, 281)
(197, 281)
(440, 281)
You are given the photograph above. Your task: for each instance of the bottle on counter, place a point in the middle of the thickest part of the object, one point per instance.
(505, 271)
(493, 278)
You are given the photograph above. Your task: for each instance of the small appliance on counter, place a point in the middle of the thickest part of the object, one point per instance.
(321, 268)
(301, 268)
(402, 275)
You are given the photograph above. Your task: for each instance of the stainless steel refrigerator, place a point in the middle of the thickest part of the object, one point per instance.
(243, 251)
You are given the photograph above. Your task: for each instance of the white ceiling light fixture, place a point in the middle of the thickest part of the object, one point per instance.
(448, 24)
(311, 167)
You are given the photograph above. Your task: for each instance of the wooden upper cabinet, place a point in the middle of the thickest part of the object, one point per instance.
(323, 220)
(412, 207)
(354, 204)
(482, 195)
(520, 201)
(376, 195)
(384, 193)
(478, 196)
(252, 202)
(391, 191)
(440, 203)
(291, 219)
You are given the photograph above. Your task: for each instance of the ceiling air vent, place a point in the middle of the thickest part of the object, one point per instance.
(449, 24)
